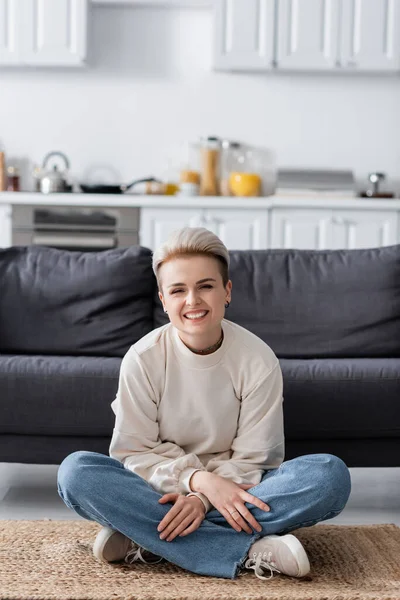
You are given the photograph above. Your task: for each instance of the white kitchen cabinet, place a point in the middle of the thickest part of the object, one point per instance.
(307, 34)
(157, 223)
(302, 228)
(370, 35)
(324, 35)
(363, 229)
(238, 229)
(5, 225)
(10, 32)
(43, 32)
(244, 34)
(322, 229)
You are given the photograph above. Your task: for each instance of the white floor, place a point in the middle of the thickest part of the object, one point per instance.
(30, 492)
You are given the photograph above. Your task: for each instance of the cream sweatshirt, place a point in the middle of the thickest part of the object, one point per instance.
(178, 412)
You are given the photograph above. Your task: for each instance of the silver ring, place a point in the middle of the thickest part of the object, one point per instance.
(235, 511)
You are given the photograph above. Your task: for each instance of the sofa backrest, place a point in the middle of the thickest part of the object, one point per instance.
(318, 303)
(303, 303)
(65, 302)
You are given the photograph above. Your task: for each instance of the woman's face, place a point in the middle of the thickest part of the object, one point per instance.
(194, 296)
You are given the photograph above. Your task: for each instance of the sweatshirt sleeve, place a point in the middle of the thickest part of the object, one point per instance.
(259, 442)
(136, 441)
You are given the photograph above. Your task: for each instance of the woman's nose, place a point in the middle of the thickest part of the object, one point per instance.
(192, 298)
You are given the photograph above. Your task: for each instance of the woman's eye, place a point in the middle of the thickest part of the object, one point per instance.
(208, 286)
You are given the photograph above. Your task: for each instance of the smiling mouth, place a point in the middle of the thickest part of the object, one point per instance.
(200, 318)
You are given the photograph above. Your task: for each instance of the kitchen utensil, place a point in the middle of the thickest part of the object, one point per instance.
(375, 179)
(317, 180)
(54, 181)
(89, 188)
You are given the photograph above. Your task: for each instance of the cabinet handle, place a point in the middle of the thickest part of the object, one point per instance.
(338, 220)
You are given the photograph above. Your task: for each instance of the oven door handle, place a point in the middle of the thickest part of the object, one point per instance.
(84, 241)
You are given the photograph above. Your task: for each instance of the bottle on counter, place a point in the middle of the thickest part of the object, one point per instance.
(13, 179)
(210, 154)
(3, 177)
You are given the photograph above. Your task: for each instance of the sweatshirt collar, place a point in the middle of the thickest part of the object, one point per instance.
(198, 361)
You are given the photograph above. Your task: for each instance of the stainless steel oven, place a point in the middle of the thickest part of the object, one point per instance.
(84, 228)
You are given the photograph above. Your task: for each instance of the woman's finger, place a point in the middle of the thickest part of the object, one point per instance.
(168, 498)
(195, 525)
(181, 527)
(169, 517)
(246, 514)
(238, 518)
(256, 501)
(225, 512)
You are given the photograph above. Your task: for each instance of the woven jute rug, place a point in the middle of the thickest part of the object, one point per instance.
(53, 560)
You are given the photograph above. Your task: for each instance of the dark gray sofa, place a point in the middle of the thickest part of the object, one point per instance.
(332, 318)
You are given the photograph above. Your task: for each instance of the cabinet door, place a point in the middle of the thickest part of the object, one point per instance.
(370, 35)
(244, 34)
(239, 229)
(157, 223)
(54, 32)
(364, 229)
(10, 33)
(5, 225)
(307, 34)
(301, 228)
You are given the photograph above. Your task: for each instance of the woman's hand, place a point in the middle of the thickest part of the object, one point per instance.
(229, 499)
(185, 516)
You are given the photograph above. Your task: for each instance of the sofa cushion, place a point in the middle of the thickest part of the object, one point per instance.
(58, 395)
(341, 398)
(323, 399)
(319, 303)
(63, 302)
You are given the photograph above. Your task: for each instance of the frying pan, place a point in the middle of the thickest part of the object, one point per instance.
(89, 188)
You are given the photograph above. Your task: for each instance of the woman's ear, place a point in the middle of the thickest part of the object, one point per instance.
(228, 289)
(161, 299)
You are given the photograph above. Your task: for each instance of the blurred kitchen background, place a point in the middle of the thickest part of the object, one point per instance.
(276, 120)
(149, 83)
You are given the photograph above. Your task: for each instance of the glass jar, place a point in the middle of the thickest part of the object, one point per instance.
(189, 177)
(13, 179)
(230, 156)
(210, 166)
(253, 173)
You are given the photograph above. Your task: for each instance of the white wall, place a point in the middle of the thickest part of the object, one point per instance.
(149, 85)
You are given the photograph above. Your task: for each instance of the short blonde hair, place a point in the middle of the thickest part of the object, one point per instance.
(189, 241)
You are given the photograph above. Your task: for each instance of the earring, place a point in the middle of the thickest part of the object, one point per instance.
(227, 305)
(165, 310)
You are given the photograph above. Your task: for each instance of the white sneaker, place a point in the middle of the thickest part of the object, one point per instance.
(280, 554)
(111, 546)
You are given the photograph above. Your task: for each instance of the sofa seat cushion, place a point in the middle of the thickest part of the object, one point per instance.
(341, 398)
(58, 395)
(63, 302)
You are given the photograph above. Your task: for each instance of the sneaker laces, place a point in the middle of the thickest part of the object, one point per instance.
(261, 561)
(135, 554)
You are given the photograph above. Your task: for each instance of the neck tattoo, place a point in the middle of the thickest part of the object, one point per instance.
(210, 349)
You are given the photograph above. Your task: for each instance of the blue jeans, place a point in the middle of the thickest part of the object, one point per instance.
(301, 492)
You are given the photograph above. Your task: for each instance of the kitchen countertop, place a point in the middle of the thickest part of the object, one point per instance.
(302, 200)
